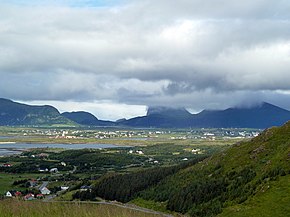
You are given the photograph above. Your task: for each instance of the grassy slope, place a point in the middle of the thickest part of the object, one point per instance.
(6, 181)
(265, 154)
(273, 202)
(16, 208)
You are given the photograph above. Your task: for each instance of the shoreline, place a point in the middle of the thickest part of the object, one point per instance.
(7, 143)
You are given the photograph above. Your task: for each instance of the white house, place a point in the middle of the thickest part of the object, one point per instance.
(8, 194)
(195, 151)
(139, 152)
(45, 191)
(53, 170)
(64, 188)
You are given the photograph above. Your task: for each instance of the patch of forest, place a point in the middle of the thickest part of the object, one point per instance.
(126, 187)
(206, 188)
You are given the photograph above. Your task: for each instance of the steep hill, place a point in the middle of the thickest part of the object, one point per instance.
(261, 116)
(239, 175)
(15, 114)
(247, 175)
(86, 118)
(162, 117)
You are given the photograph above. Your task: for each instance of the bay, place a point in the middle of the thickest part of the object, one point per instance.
(16, 148)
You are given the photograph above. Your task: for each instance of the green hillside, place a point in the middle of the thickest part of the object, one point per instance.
(240, 175)
(273, 202)
(15, 114)
(249, 176)
(19, 208)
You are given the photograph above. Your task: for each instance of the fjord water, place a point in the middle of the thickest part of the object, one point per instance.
(14, 148)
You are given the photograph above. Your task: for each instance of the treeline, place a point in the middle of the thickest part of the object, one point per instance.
(206, 195)
(126, 187)
(88, 160)
(33, 166)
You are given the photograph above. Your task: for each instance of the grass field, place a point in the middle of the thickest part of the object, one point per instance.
(6, 181)
(16, 208)
(274, 202)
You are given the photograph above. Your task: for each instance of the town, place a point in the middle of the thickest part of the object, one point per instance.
(57, 173)
(136, 134)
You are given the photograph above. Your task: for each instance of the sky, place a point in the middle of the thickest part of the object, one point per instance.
(113, 58)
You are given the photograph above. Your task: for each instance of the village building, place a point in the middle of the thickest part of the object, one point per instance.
(39, 196)
(32, 183)
(29, 196)
(86, 188)
(8, 194)
(45, 191)
(53, 170)
(18, 194)
(64, 188)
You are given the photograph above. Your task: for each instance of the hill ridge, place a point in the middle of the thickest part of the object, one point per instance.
(237, 176)
(260, 116)
(20, 114)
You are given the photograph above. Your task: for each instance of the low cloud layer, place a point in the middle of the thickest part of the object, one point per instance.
(195, 54)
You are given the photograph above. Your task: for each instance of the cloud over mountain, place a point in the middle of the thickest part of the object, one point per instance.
(197, 54)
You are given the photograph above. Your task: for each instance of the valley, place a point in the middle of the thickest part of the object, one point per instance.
(196, 172)
(144, 108)
(40, 151)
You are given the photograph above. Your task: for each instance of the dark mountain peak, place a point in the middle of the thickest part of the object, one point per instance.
(86, 118)
(121, 120)
(259, 115)
(263, 106)
(207, 111)
(271, 106)
(257, 105)
(81, 114)
(167, 111)
(81, 117)
(14, 113)
(253, 107)
(3, 100)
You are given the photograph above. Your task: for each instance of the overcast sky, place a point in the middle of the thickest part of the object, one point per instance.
(113, 58)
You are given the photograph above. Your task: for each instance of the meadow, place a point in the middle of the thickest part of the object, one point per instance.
(17, 208)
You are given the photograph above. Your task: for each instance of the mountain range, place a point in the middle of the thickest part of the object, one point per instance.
(18, 114)
(86, 118)
(260, 116)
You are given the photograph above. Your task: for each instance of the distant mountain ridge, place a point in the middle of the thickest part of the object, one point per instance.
(161, 117)
(260, 116)
(168, 111)
(16, 114)
(86, 118)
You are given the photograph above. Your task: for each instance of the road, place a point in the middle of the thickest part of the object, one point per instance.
(44, 184)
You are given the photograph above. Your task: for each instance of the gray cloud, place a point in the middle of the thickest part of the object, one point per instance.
(198, 54)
